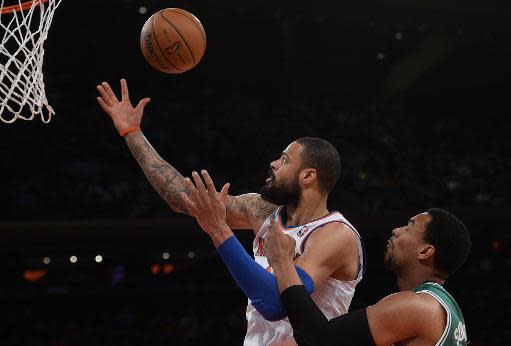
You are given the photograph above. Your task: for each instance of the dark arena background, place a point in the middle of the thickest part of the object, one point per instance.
(415, 95)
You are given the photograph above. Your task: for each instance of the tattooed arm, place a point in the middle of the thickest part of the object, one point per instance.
(248, 211)
(243, 212)
(165, 179)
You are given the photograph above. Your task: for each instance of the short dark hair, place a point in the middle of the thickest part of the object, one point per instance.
(450, 238)
(322, 156)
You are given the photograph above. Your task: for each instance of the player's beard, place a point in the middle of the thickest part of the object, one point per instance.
(284, 193)
(389, 261)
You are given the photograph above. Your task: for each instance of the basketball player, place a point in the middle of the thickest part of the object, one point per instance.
(422, 254)
(329, 256)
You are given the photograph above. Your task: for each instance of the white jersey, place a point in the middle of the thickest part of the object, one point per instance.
(333, 297)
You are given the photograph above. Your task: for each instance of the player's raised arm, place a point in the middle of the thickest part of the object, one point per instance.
(165, 179)
(243, 212)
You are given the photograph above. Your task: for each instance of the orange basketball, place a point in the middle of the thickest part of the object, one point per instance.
(173, 40)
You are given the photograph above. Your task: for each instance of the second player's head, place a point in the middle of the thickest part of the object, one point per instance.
(307, 163)
(436, 241)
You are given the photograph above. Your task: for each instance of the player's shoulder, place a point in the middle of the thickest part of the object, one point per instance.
(423, 317)
(415, 303)
(332, 235)
(334, 229)
(333, 220)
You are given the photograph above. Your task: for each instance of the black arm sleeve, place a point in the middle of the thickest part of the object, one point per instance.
(311, 327)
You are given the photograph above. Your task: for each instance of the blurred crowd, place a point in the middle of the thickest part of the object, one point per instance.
(80, 167)
(125, 327)
(124, 301)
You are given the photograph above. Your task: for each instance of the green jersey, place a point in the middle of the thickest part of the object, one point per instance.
(455, 333)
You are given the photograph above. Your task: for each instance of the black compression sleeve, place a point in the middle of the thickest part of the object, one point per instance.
(311, 327)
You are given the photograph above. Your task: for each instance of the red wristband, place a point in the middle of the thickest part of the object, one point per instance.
(127, 130)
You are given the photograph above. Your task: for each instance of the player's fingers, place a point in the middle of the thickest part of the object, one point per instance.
(210, 185)
(104, 95)
(141, 105)
(102, 104)
(125, 95)
(224, 193)
(270, 242)
(269, 232)
(267, 245)
(200, 185)
(189, 204)
(110, 92)
(274, 221)
(193, 191)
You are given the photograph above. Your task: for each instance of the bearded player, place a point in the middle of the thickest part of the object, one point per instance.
(329, 257)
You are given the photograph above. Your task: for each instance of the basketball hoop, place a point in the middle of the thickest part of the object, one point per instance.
(25, 28)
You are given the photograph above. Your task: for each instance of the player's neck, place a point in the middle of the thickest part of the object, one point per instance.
(414, 277)
(309, 208)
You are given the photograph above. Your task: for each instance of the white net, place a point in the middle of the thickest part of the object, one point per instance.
(24, 28)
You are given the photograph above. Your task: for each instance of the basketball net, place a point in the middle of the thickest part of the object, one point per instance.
(24, 29)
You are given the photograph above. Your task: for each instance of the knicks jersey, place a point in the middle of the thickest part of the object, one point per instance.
(333, 297)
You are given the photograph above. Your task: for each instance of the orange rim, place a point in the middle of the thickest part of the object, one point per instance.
(22, 7)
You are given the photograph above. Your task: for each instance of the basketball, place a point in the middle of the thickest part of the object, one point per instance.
(173, 40)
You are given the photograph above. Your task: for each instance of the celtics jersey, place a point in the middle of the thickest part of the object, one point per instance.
(454, 333)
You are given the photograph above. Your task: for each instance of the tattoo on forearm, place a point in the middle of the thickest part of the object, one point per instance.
(260, 208)
(252, 206)
(169, 184)
(165, 179)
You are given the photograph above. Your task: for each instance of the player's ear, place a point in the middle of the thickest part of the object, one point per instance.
(426, 252)
(309, 176)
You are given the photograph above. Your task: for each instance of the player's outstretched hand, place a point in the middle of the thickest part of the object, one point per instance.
(122, 112)
(207, 205)
(278, 245)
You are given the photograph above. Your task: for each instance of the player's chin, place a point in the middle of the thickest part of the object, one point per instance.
(387, 254)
